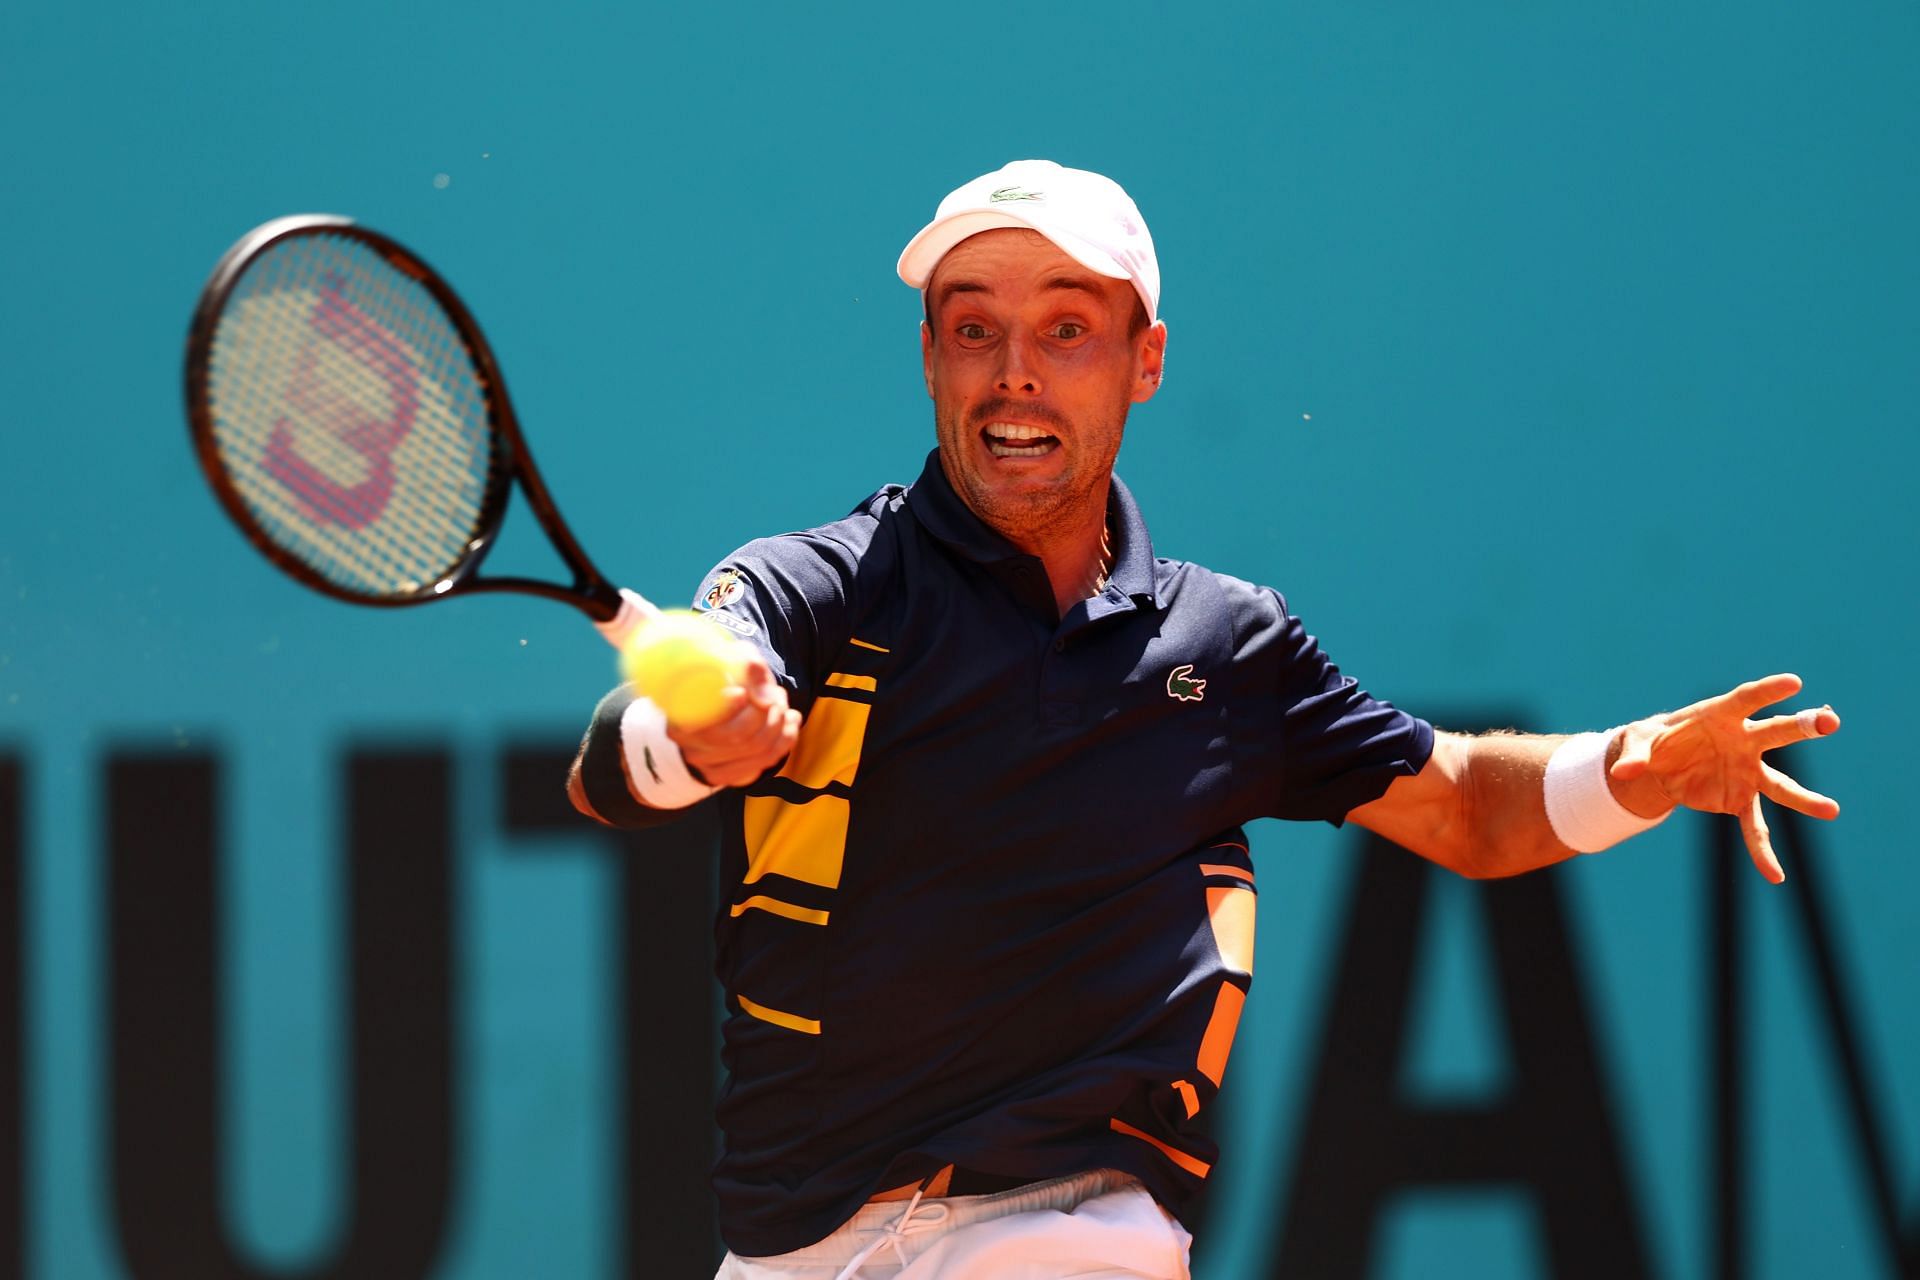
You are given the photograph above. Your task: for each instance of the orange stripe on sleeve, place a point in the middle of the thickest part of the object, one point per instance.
(1218, 1041)
(1232, 913)
(1189, 1095)
(1198, 1168)
(864, 645)
(1222, 869)
(841, 680)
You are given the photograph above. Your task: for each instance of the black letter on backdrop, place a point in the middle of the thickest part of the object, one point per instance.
(666, 1009)
(1733, 877)
(165, 1016)
(1552, 1134)
(13, 1116)
(1726, 1149)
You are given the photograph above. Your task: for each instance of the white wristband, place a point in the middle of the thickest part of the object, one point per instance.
(656, 771)
(1580, 804)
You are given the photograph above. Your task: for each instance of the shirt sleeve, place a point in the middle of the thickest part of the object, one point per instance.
(789, 597)
(1309, 742)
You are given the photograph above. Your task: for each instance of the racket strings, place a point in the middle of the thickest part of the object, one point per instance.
(350, 416)
(323, 475)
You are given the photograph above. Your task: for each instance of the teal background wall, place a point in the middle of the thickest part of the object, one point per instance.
(1558, 362)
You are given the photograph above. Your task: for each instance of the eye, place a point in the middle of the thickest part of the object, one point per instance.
(1068, 330)
(972, 332)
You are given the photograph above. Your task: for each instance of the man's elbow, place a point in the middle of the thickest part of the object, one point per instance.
(1457, 852)
(1472, 833)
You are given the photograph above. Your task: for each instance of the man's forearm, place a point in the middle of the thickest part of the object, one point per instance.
(1505, 829)
(1503, 803)
(1508, 829)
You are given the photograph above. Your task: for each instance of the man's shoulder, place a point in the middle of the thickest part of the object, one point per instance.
(1181, 580)
(839, 545)
(884, 503)
(855, 532)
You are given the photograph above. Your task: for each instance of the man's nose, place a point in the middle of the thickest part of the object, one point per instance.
(1019, 367)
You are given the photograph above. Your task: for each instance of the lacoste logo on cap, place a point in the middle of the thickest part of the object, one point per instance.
(1015, 193)
(1183, 687)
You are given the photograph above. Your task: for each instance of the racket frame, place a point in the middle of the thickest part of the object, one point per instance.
(591, 592)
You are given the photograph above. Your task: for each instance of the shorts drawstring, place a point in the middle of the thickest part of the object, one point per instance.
(897, 1231)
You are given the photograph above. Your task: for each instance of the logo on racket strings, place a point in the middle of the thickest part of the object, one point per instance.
(317, 391)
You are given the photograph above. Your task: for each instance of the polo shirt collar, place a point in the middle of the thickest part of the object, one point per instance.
(943, 514)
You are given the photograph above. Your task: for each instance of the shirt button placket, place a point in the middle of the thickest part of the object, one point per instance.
(1058, 709)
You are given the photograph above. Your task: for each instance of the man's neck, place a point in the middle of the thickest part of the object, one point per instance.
(1075, 548)
(1077, 566)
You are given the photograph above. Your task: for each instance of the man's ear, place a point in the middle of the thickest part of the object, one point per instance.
(1151, 356)
(926, 355)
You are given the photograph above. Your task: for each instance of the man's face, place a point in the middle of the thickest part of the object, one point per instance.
(1032, 366)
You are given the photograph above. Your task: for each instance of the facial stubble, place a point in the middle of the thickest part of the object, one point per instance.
(1034, 516)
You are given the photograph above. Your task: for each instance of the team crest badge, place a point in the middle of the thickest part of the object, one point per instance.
(1182, 687)
(727, 587)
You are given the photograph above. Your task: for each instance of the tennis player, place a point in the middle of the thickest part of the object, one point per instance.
(988, 925)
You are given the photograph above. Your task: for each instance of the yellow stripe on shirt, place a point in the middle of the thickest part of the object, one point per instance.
(791, 1021)
(761, 902)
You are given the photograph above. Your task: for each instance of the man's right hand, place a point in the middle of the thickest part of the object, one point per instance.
(755, 736)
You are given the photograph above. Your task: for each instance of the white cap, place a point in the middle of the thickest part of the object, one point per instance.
(1092, 220)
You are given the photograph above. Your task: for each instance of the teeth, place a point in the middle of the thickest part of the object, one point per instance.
(1015, 431)
(1017, 440)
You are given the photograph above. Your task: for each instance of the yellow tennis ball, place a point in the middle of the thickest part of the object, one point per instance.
(685, 665)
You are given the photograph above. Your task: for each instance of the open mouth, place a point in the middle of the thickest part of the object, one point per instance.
(1016, 440)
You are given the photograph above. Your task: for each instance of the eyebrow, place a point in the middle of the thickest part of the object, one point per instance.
(953, 287)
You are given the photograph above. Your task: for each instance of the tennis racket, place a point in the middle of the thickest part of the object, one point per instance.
(351, 418)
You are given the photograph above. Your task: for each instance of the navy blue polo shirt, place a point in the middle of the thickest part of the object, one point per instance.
(996, 909)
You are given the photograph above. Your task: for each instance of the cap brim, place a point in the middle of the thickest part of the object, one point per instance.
(937, 238)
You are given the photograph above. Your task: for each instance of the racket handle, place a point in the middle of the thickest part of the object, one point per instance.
(634, 610)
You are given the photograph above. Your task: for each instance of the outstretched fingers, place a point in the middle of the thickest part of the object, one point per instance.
(1783, 790)
(1780, 731)
(1709, 753)
(1753, 829)
(1754, 694)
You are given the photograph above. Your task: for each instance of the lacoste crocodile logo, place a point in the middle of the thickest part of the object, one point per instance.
(1183, 687)
(1015, 193)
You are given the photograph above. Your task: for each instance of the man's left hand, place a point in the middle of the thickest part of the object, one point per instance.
(1707, 757)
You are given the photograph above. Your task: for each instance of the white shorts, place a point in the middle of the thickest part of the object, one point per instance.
(1092, 1226)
